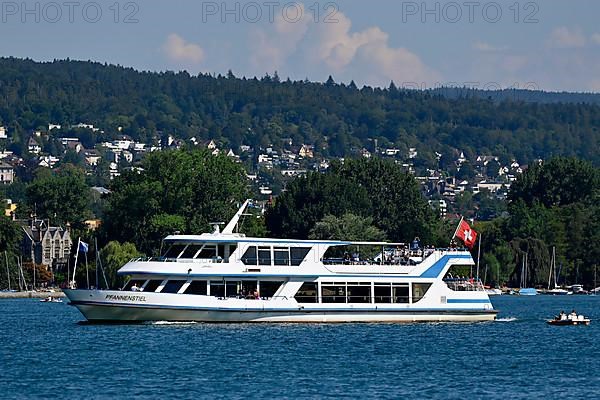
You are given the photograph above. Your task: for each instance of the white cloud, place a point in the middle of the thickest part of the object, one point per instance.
(333, 48)
(486, 47)
(566, 38)
(178, 50)
(595, 38)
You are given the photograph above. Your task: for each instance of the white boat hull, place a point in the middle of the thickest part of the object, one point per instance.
(98, 306)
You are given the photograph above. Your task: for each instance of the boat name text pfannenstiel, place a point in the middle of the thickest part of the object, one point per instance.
(121, 297)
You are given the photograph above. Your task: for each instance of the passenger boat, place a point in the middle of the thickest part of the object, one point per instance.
(226, 277)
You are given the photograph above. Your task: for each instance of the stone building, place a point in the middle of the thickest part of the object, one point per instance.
(7, 174)
(45, 244)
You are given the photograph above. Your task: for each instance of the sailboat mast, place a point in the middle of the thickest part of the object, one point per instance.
(7, 271)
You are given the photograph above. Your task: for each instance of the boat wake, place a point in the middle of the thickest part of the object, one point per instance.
(509, 319)
(172, 323)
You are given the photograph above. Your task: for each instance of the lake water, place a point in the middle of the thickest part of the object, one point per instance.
(45, 352)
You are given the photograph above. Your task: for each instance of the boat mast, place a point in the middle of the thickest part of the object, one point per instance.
(7, 271)
(228, 230)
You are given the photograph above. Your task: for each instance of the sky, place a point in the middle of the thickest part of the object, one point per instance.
(551, 45)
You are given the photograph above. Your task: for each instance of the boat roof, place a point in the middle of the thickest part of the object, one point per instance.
(229, 238)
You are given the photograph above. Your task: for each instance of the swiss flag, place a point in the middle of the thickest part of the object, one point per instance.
(466, 234)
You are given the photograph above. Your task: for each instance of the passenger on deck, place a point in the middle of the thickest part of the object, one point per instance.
(135, 288)
(562, 316)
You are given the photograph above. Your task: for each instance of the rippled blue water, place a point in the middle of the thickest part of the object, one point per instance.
(45, 352)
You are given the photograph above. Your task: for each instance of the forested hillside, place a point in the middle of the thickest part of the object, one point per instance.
(338, 119)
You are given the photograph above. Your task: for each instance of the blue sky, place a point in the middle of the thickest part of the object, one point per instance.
(550, 45)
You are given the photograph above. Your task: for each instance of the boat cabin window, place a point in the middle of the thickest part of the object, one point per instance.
(217, 288)
(298, 254)
(136, 282)
(261, 255)
(264, 256)
(196, 287)
(152, 285)
(333, 292)
(208, 252)
(400, 293)
(383, 292)
(191, 250)
(307, 293)
(359, 292)
(172, 286)
(250, 257)
(419, 290)
(269, 288)
(174, 250)
(281, 256)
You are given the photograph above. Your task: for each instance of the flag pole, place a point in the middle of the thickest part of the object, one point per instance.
(478, 253)
(72, 283)
(457, 228)
(87, 271)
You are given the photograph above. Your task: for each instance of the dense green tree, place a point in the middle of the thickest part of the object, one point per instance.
(347, 227)
(177, 190)
(376, 188)
(557, 182)
(60, 195)
(114, 255)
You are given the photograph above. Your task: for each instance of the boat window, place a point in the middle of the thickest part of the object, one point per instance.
(248, 289)
(419, 290)
(174, 250)
(232, 288)
(264, 256)
(269, 288)
(297, 254)
(383, 293)
(152, 285)
(307, 293)
(400, 293)
(281, 256)
(172, 286)
(191, 250)
(333, 293)
(250, 257)
(136, 282)
(359, 292)
(217, 288)
(208, 252)
(196, 287)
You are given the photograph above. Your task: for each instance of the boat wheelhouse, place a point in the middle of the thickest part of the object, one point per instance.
(227, 277)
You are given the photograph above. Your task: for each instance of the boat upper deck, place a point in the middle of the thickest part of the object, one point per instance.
(233, 254)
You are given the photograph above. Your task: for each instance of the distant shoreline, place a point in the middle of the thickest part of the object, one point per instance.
(30, 295)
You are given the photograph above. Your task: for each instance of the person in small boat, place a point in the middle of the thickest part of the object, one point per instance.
(562, 316)
(573, 314)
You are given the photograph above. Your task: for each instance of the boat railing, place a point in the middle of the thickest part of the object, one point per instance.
(215, 260)
(464, 284)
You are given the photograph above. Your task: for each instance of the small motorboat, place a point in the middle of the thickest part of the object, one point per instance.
(51, 299)
(571, 319)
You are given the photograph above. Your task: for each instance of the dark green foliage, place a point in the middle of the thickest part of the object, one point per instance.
(376, 188)
(176, 191)
(60, 195)
(558, 182)
(262, 112)
(10, 236)
(347, 227)
(114, 255)
(551, 205)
